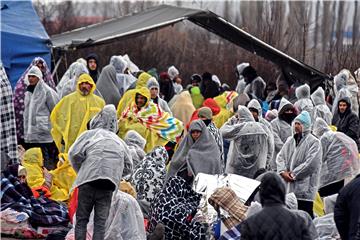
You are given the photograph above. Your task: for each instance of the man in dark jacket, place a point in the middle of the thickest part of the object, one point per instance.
(346, 121)
(93, 66)
(274, 221)
(347, 210)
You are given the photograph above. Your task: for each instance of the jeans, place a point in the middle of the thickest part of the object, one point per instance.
(90, 197)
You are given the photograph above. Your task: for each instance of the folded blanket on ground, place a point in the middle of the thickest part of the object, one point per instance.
(41, 211)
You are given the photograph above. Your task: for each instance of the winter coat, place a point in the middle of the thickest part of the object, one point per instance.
(274, 221)
(347, 122)
(347, 210)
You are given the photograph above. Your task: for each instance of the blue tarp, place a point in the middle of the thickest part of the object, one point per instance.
(23, 38)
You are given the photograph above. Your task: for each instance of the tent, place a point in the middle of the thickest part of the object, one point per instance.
(23, 38)
(164, 15)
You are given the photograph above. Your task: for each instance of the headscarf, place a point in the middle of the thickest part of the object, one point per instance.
(19, 94)
(201, 155)
(210, 103)
(148, 177)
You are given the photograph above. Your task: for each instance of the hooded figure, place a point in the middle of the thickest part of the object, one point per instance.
(249, 144)
(195, 156)
(145, 117)
(154, 88)
(136, 144)
(346, 85)
(92, 61)
(321, 109)
(299, 162)
(71, 115)
(100, 158)
(183, 108)
(39, 102)
(209, 88)
(281, 125)
(166, 87)
(69, 85)
(196, 97)
(19, 93)
(304, 102)
(173, 73)
(346, 120)
(274, 221)
(148, 177)
(255, 108)
(8, 140)
(340, 157)
(241, 84)
(226, 102)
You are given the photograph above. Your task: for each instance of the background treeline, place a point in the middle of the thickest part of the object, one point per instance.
(323, 34)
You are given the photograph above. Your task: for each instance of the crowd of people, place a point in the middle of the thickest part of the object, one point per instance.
(116, 153)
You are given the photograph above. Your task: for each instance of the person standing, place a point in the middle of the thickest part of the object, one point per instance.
(71, 115)
(40, 100)
(299, 162)
(346, 120)
(100, 158)
(92, 61)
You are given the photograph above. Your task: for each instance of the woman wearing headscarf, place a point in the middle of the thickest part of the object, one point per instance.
(197, 153)
(183, 108)
(148, 177)
(19, 94)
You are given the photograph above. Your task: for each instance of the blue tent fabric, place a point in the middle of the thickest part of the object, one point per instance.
(23, 38)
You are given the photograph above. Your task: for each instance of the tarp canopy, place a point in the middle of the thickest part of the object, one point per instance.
(23, 38)
(164, 15)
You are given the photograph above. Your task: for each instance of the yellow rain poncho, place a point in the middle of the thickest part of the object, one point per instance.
(225, 102)
(71, 115)
(156, 126)
(142, 80)
(33, 162)
(61, 178)
(183, 108)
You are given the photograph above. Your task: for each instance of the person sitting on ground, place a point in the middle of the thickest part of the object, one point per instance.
(145, 117)
(195, 154)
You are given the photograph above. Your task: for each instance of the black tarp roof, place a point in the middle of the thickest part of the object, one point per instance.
(164, 15)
